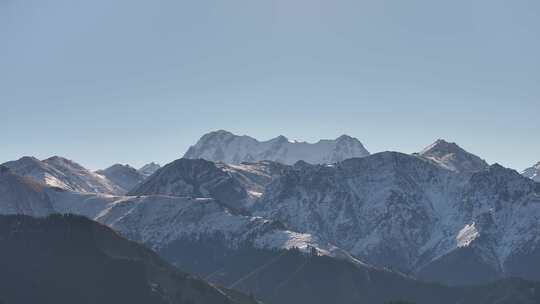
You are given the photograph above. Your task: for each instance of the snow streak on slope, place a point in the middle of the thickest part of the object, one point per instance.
(223, 146)
(467, 235)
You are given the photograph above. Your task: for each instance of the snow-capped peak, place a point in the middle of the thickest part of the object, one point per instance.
(451, 156)
(224, 146)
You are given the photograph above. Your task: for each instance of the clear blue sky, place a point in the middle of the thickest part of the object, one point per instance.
(133, 81)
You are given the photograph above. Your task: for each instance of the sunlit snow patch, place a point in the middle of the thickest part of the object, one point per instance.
(466, 235)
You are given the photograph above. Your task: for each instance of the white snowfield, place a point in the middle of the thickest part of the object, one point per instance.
(223, 146)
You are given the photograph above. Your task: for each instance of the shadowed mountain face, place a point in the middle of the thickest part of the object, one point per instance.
(194, 178)
(223, 146)
(70, 259)
(237, 186)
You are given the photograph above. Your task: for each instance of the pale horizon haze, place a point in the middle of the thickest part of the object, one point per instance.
(103, 82)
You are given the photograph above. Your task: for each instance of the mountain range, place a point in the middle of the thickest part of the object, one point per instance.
(443, 214)
(233, 205)
(195, 235)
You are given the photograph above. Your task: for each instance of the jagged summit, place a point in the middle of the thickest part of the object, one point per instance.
(224, 146)
(453, 157)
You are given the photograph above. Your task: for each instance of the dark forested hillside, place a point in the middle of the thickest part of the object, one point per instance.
(70, 259)
(292, 277)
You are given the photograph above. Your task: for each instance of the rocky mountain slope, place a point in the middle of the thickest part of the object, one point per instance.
(223, 146)
(237, 186)
(70, 259)
(533, 172)
(63, 173)
(405, 212)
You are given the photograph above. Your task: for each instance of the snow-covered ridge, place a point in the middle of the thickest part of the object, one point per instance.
(63, 173)
(223, 146)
